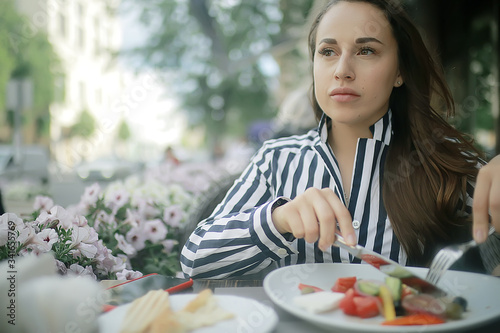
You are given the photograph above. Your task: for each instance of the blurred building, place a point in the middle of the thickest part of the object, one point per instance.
(84, 34)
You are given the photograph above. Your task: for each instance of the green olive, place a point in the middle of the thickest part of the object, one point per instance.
(307, 290)
(454, 310)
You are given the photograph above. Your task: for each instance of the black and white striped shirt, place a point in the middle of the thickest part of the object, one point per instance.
(240, 238)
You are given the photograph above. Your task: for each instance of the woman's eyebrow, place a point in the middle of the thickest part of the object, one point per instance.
(361, 40)
(328, 41)
(364, 40)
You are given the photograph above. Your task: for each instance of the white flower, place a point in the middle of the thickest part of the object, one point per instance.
(107, 219)
(135, 236)
(128, 275)
(43, 203)
(125, 246)
(26, 233)
(146, 208)
(80, 271)
(9, 221)
(82, 240)
(105, 260)
(62, 215)
(61, 267)
(155, 230)
(80, 220)
(133, 219)
(120, 264)
(168, 244)
(47, 237)
(172, 216)
(91, 195)
(117, 199)
(125, 260)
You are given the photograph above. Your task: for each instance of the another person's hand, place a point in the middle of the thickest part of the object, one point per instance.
(314, 215)
(487, 200)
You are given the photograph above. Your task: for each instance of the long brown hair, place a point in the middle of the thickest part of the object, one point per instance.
(429, 163)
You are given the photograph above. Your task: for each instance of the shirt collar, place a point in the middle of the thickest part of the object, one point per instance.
(381, 130)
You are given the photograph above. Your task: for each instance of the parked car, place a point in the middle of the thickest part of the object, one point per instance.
(33, 163)
(107, 168)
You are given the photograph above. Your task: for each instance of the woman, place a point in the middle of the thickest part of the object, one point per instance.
(383, 168)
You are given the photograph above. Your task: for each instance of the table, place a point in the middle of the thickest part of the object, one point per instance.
(252, 288)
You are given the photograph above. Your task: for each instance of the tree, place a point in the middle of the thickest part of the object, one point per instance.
(26, 52)
(84, 127)
(218, 53)
(123, 131)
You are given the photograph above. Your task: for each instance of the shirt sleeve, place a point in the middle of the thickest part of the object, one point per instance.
(239, 237)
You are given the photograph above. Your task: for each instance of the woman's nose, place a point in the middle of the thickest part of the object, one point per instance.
(344, 70)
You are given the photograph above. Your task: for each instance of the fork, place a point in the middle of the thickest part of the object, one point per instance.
(447, 256)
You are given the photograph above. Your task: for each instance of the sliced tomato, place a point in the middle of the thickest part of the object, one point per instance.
(366, 307)
(303, 286)
(343, 284)
(347, 303)
(373, 260)
(415, 319)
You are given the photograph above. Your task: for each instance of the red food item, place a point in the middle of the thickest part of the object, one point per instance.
(373, 260)
(366, 307)
(423, 303)
(303, 286)
(415, 319)
(347, 303)
(343, 284)
(361, 306)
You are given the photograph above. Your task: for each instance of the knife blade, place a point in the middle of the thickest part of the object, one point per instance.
(390, 267)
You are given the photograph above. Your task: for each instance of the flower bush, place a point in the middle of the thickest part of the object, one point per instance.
(128, 229)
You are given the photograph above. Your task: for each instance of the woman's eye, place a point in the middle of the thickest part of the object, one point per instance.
(366, 51)
(326, 52)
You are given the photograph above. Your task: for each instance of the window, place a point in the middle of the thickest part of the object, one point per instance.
(62, 24)
(60, 88)
(83, 95)
(81, 37)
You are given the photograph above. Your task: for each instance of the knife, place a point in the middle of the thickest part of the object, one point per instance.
(390, 267)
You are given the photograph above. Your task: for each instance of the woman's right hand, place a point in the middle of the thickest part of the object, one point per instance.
(314, 215)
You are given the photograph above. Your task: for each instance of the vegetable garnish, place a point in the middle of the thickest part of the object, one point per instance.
(416, 319)
(395, 301)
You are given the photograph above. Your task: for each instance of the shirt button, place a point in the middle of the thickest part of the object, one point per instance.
(282, 252)
(356, 224)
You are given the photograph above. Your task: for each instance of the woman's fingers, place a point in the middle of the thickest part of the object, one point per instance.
(343, 218)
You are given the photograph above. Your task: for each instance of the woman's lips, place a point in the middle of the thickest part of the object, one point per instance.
(344, 94)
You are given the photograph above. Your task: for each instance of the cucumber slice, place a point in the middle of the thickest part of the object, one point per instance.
(395, 287)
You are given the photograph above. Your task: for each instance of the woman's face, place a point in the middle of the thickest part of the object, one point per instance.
(355, 64)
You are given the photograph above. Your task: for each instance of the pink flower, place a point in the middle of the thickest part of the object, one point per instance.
(172, 216)
(155, 230)
(125, 246)
(128, 275)
(136, 237)
(43, 203)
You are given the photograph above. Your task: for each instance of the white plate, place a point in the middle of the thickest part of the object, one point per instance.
(250, 315)
(482, 293)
